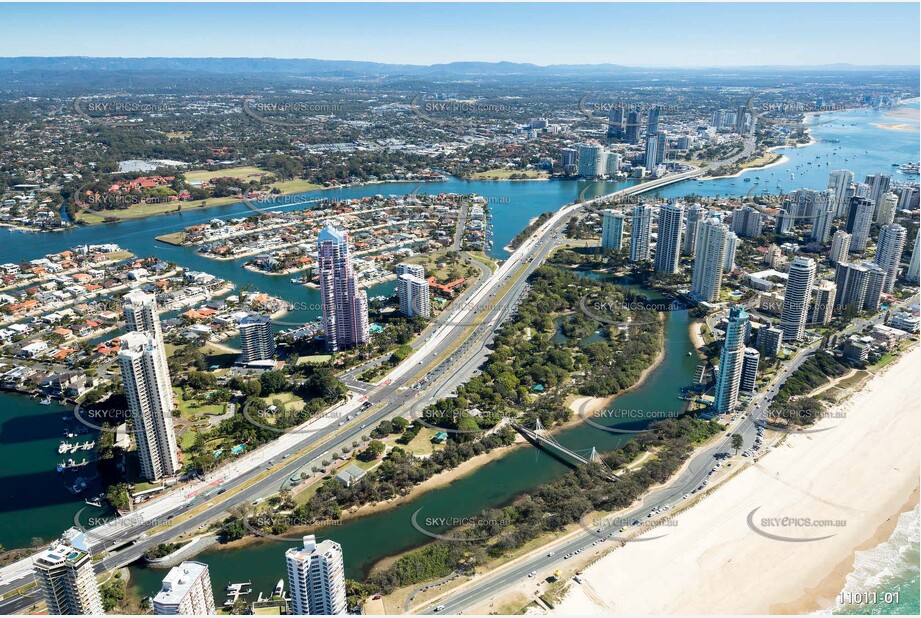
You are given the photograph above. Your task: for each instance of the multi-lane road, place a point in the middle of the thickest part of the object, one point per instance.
(692, 476)
(474, 318)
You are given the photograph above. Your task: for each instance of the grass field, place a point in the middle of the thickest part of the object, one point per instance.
(316, 359)
(244, 172)
(505, 174)
(190, 411)
(146, 210)
(765, 159)
(297, 185)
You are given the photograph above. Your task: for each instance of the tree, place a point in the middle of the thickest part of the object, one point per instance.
(273, 381)
(374, 450)
(737, 442)
(252, 388)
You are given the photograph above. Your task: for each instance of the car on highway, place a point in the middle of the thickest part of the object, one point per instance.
(551, 554)
(439, 608)
(532, 573)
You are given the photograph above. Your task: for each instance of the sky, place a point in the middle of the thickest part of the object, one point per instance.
(656, 34)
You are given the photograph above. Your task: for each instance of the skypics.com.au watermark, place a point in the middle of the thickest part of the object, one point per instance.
(118, 109)
(793, 528)
(623, 313)
(775, 107)
(436, 419)
(293, 114)
(613, 528)
(616, 113)
(101, 419)
(256, 524)
(460, 111)
(427, 525)
(798, 420)
(625, 416)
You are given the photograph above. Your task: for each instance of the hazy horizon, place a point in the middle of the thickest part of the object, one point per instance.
(651, 35)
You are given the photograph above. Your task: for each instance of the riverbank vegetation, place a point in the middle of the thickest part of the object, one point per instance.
(550, 507)
(526, 233)
(539, 358)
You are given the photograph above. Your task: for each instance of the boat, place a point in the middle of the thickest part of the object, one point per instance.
(238, 588)
(63, 447)
(279, 588)
(45, 402)
(747, 180)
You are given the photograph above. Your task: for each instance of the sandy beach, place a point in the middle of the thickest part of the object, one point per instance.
(857, 477)
(895, 126)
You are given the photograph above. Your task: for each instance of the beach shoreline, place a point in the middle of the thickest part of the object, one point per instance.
(830, 475)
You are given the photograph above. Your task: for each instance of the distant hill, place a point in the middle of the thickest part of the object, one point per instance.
(312, 66)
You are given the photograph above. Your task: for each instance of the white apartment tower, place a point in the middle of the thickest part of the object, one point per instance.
(860, 217)
(316, 578)
(887, 209)
(840, 243)
(839, 181)
(413, 292)
(150, 403)
(668, 243)
(729, 378)
(914, 267)
(796, 298)
(696, 214)
(824, 303)
(612, 230)
(256, 339)
(67, 581)
(729, 255)
(640, 233)
(141, 313)
(591, 161)
(142, 316)
(889, 249)
(707, 276)
(405, 268)
(185, 591)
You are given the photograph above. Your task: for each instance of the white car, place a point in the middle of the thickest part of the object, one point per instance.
(532, 573)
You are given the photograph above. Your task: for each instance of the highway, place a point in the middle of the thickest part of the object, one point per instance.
(491, 300)
(691, 477)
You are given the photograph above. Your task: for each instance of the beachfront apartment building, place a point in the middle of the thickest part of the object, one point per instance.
(413, 293)
(149, 393)
(257, 342)
(612, 230)
(668, 239)
(67, 580)
(707, 274)
(695, 214)
(344, 305)
(732, 357)
(185, 591)
(316, 578)
(796, 298)
(640, 233)
(889, 247)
